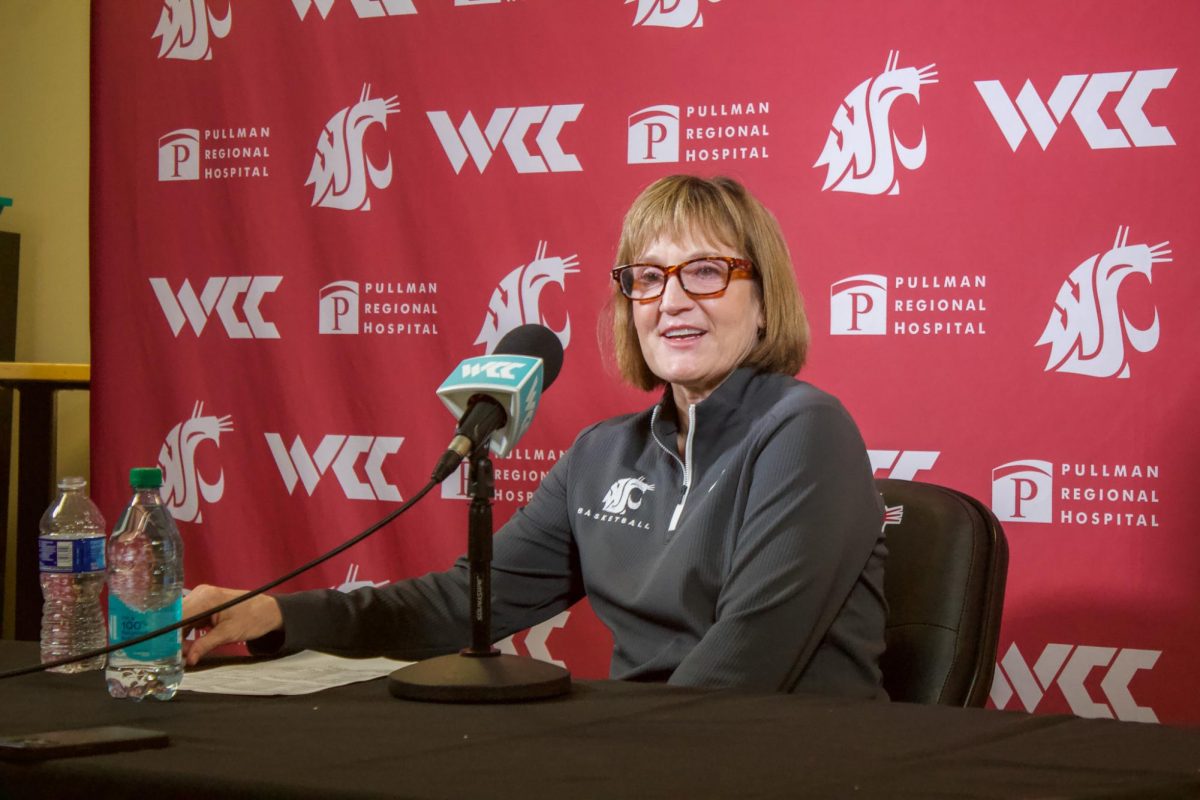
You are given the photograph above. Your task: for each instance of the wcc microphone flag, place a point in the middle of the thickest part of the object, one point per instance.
(515, 382)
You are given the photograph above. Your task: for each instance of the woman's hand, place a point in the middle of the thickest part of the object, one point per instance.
(256, 617)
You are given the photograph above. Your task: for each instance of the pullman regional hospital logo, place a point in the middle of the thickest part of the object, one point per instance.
(378, 308)
(241, 151)
(517, 300)
(861, 151)
(179, 155)
(1099, 495)
(1023, 491)
(341, 168)
(858, 306)
(653, 135)
(1088, 331)
(183, 485)
(185, 28)
(668, 13)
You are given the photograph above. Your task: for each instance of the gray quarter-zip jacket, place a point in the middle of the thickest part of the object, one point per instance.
(754, 560)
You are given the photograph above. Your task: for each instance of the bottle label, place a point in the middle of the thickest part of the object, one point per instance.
(125, 623)
(71, 555)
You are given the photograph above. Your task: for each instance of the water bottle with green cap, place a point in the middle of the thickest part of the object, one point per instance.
(145, 592)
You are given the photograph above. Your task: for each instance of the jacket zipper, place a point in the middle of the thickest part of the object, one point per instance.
(686, 464)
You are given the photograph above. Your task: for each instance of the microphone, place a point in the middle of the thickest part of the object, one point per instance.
(496, 395)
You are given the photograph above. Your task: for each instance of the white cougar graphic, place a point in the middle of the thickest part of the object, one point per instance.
(184, 27)
(620, 495)
(669, 13)
(182, 484)
(861, 149)
(1087, 330)
(340, 167)
(352, 582)
(515, 301)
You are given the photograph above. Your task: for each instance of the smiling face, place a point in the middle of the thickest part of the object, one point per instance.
(693, 344)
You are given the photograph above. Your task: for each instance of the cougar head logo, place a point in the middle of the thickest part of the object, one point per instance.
(1087, 329)
(620, 495)
(861, 149)
(340, 168)
(515, 301)
(669, 13)
(184, 27)
(182, 484)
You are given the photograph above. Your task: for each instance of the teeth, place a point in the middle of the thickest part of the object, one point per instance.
(683, 332)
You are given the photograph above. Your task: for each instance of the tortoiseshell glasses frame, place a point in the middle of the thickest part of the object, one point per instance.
(708, 276)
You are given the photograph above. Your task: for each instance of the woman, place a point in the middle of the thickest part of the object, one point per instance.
(728, 536)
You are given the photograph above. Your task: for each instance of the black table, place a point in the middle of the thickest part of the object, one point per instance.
(605, 740)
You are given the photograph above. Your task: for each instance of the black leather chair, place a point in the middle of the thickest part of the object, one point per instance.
(946, 568)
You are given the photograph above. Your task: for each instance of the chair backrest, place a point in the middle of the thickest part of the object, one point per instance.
(944, 582)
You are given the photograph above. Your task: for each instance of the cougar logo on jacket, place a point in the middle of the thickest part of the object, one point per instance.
(621, 495)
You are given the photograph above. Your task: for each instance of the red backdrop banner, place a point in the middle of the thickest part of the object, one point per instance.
(306, 212)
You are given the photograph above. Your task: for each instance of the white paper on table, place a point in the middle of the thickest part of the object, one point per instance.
(302, 673)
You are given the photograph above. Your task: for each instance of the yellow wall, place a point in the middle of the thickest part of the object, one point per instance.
(44, 124)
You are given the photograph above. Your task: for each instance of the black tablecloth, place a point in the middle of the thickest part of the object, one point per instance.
(604, 740)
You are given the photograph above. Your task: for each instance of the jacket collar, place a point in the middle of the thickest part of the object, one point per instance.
(720, 410)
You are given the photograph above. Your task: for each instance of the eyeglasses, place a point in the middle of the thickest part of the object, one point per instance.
(701, 277)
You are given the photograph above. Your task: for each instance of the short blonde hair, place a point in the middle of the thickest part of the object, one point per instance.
(723, 212)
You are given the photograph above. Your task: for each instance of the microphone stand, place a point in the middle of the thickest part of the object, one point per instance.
(480, 673)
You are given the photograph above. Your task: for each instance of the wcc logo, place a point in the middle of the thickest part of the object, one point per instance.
(669, 13)
(185, 28)
(1071, 667)
(621, 495)
(225, 296)
(342, 453)
(365, 9)
(179, 155)
(341, 169)
(1088, 332)
(901, 465)
(654, 135)
(183, 485)
(535, 640)
(509, 128)
(1023, 491)
(861, 151)
(1082, 96)
(858, 306)
(517, 300)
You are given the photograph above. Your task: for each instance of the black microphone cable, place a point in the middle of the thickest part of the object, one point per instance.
(346, 545)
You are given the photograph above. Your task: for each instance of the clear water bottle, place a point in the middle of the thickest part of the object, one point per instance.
(145, 592)
(71, 560)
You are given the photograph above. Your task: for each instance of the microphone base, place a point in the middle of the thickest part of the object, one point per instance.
(479, 678)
